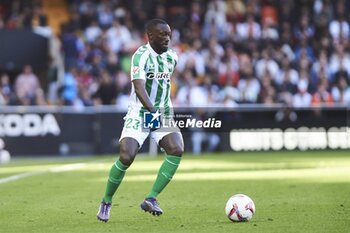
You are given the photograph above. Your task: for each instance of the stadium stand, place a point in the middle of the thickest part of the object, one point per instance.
(230, 52)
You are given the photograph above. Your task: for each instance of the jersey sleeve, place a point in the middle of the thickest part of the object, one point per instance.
(137, 70)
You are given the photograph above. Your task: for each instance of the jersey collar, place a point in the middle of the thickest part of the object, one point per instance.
(153, 53)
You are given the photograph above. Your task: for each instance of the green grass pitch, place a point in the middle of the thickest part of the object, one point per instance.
(292, 191)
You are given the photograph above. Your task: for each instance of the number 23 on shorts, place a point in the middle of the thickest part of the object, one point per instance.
(132, 123)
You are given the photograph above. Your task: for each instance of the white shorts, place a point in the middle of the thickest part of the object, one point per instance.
(133, 128)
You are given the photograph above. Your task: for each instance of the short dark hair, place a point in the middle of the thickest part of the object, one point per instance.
(153, 23)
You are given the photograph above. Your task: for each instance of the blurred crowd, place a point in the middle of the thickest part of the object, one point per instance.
(230, 52)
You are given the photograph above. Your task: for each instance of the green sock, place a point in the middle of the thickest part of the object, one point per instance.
(115, 177)
(165, 174)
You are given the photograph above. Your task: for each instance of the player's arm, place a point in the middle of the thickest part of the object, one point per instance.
(140, 90)
(138, 78)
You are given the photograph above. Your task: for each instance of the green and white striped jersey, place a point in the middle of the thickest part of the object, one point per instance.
(156, 69)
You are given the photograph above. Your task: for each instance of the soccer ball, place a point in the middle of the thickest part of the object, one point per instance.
(240, 208)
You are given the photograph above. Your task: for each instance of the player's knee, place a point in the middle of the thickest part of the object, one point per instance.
(177, 150)
(126, 156)
(127, 160)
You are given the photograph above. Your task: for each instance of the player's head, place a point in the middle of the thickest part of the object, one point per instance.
(158, 32)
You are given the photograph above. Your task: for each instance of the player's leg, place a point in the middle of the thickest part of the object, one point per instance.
(131, 140)
(128, 150)
(173, 145)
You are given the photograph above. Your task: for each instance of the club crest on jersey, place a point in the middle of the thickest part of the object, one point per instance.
(135, 69)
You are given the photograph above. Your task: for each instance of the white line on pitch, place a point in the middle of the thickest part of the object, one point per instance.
(62, 168)
(19, 176)
(68, 167)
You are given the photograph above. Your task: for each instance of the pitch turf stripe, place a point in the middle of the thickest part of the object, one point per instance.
(19, 176)
(68, 167)
(62, 168)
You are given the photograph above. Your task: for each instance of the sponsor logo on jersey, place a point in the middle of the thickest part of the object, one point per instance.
(159, 76)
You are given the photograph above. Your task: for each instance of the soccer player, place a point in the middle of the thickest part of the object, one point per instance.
(152, 66)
